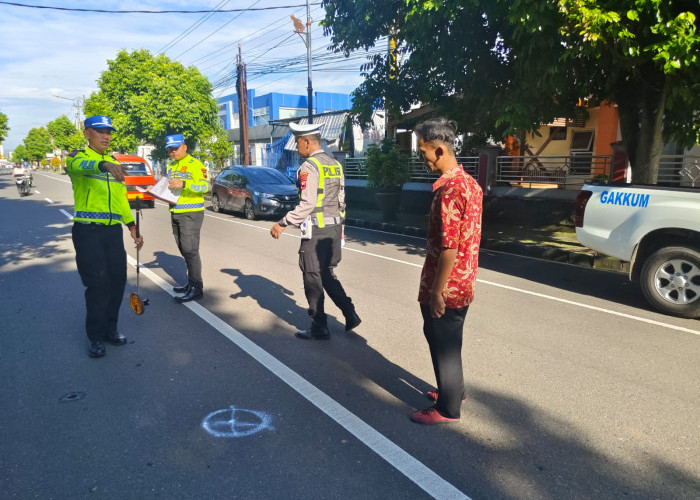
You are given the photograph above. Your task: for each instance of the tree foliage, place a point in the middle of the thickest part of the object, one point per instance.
(217, 149)
(20, 153)
(38, 143)
(4, 127)
(64, 134)
(149, 97)
(507, 66)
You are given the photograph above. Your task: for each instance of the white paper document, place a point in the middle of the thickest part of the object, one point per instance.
(162, 191)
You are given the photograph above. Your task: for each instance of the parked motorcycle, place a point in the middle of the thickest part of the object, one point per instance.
(24, 184)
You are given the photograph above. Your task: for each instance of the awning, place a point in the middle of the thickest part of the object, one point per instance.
(331, 129)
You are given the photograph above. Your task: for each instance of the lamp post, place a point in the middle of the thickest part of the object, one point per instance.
(299, 29)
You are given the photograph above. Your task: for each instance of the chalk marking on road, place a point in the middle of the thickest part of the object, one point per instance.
(219, 424)
(527, 292)
(48, 200)
(402, 461)
(65, 213)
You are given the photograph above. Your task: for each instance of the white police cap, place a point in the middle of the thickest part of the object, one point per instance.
(307, 129)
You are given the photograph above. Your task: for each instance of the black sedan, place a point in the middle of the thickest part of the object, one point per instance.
(255, 191)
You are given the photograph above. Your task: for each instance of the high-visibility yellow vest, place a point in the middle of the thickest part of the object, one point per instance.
(98, 196)
(330, 182)
(194, 174)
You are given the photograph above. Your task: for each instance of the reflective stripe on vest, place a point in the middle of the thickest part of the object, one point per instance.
(334, 171)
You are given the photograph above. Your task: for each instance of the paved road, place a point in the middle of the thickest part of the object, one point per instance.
(575, 388)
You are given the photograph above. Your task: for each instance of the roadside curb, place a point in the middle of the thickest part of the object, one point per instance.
(583, 259)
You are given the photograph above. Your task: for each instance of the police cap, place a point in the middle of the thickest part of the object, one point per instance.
(307, 129)
(98, 121)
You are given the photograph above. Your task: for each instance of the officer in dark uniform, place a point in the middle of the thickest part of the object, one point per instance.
(101, 207)
(321, 212)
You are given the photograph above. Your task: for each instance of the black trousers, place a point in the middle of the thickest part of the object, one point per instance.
(186, 229)
(444, 336)
(101, 261)
(317, 258)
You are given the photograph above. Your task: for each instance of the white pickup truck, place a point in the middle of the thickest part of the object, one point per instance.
(656, 229)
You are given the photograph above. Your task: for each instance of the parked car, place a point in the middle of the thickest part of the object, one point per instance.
(255, 191)
(138, 173)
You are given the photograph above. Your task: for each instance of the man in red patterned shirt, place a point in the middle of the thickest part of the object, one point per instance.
(449, 272)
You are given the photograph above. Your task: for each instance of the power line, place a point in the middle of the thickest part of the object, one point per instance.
(219, 29)
(103, 11)
(189, 30)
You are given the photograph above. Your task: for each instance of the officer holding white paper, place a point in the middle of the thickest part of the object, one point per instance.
(321, 212)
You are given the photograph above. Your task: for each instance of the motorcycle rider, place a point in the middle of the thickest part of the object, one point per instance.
(20, 172)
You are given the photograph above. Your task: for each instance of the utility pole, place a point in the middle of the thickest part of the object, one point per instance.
(242, 86)
(299, 29)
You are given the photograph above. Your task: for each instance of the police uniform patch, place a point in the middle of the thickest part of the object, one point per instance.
(302, 179)
(183, 169)
(204, 173)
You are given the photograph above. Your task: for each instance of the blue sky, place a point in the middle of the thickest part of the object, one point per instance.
(48, 53)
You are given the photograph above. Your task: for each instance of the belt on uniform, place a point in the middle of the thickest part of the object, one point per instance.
(329, 221)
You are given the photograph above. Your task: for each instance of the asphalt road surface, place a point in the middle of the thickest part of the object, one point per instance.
(576, 389)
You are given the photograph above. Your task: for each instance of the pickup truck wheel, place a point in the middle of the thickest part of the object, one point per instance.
(670, 281)
(215, 204)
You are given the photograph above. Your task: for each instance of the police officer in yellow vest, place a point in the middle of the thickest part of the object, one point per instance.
(322, 205)
(189, 175)
(101, 207)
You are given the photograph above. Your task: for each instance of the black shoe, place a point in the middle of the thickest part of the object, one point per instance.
(116, 339)
(314, 332)
(194, 292)
(352, 321)
(97, 349)
(182, 289)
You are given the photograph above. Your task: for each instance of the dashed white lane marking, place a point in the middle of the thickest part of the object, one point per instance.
(68, 215)
(414, 470)
(50, 201)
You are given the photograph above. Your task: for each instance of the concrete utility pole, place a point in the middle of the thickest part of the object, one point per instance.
(242, 88)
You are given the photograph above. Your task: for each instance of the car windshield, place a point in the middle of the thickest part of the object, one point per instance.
(266, 176)
(135, 168)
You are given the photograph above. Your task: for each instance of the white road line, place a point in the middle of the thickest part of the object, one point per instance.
(593, 308)
(48, 200)
(37, 191)
(491, 283)
(413, 469)
(70, 216)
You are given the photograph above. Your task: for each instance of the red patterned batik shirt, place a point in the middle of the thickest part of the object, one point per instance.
(455, 222)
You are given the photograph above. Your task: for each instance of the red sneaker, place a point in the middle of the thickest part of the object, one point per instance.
(433, 395)
(430, 416)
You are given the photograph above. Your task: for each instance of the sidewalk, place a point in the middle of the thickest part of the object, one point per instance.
(553, 242)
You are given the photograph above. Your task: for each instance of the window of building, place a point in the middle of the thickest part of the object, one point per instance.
(557, 133)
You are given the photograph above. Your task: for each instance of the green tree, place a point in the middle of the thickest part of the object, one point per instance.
(217, 148)
(38, 143)
(506, 66)
(149, 97)
(4, 127)
(20, 153)
(64, 134)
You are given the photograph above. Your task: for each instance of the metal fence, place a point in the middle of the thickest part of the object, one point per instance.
(559, 170)
(679, 170)
(354, 168)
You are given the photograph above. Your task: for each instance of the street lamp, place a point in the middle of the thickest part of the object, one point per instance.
(299, 29)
